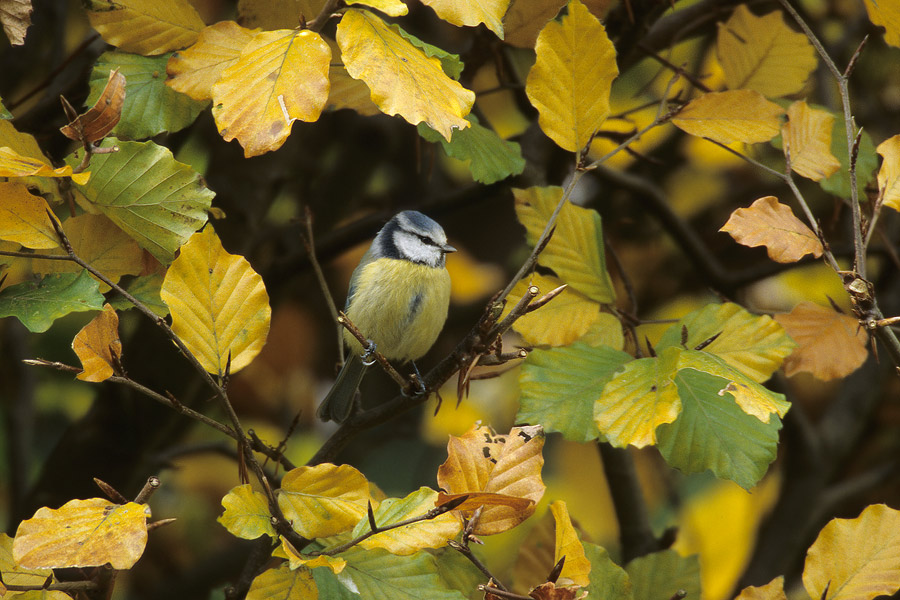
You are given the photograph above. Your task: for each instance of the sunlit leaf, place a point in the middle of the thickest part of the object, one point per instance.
(379, 575)
(147, 27)
(15, 17)
(658, 576)
(807, 137)
(38, 303)
(764, 54)
(24, 144)
(153, 198)
(885, 14)
(572, 76)
(774, 590)
(525, 19)
(576, 252)
(246, 513)
(558, 323)
(323, 500)
(733, 116)
(280, 76)
(577, 567)
(195, 70)
(472, 500)
(450, 63)
(83, 533)
(471, 12)
(856, 559)
(488, 157)
(281, 583)
(403, 80)
(769, 223)
(103, 115)
(13, 164)
(14, 574)
(483, 461)
(889, 173)
(335, 564)
(392, 8)
(831, 345)
(605, 331)
(98, 346)
(219, 305)
(406, 540)
(347, 92)
(559, 387)
(24, 218)
(608, 580)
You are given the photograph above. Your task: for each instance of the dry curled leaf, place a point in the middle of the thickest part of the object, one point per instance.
(831, 344)
(15, 16)
(102, 116)
(769, 223)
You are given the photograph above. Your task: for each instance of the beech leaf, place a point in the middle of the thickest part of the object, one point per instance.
(246, 513)
(283, 583)
(13, 164)
(733, 116)
(24, 218)
(392, 8)
(887, 15)
(560, 322)
(889, 173)
(774, 590)
(103, 115)
(577, 567)
(471, 12)
(98, 346)
(323, 500)
(807, 137)
(15, 17)
(147, 27)
(525, 19)
(195, 70)
(38, 303)
(769, 223)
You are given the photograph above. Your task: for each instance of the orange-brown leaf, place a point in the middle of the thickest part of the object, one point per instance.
(98, 346)
(476, 499)
(553, 591)
(831, 345)
(769, 223)
(102, 116)
(807, 140)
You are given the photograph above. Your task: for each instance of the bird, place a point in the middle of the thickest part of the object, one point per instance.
(399, 297)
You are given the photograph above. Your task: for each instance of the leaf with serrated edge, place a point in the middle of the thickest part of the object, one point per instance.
(38, 303)
(470, 13)
(889, 173)
(769, 223)
(755, 345)
(483, 461)
(282, 583)
(147, 27)
(887, 15)
(13, 164)
(572, 76)
(577, 567)
(98, 346)
(379, 575)
(807, 138)
(774, 590)
(762, 53)
(83, 533)
(403, 80)
(246, 513)
(575, 252)
(559, 322)
(24, 218)
(831, 344)
(733, 116)
(856, 559)
(409, 539)
(194, 71)
(281, 76)
(219, 305)
(323, 500)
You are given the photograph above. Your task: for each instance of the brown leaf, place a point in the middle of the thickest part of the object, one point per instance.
(831, 345)
(772, 224)
(102, 116)
(15, 16)
(98, 346)
(552, 591)
(476, 499)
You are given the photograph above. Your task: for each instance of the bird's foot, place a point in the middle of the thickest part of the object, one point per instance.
(368, 357)
(416, 386)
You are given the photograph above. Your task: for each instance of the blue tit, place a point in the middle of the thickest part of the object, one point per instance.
(398, 298)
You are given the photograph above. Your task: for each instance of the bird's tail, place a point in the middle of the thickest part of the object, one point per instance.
(337, 404)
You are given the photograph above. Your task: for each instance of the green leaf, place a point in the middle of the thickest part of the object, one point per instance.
(712, 432)
(153, 198)
(334, 586)
(38, 303)
(489, 157)
(608, 580)
(660, 575)
(4, 114)
(450, 62)
(559, 387)
(246, 513)
(146, 289)
(380, 575)
(866, 162)
(458, 572)
(151, 107)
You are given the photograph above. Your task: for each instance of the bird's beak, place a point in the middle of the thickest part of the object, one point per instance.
(447, 249)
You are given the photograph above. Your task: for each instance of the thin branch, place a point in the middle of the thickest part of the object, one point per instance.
(345, 322)
(309, 244)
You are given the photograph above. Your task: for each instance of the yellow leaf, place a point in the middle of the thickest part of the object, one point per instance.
(886, 14)
(284, 584)
(219, 305)
(734, 116)
(807, 137)
(147, 27)
(83, 533)
(525, 19)
(577, 567)
(345, 91)
(392, 8)
(409, 539)
(98, 346)
(323, 500)
(769, 223)
(25, 145)
(856, 559)
(403, 81)
(774, 590)
(194, 71)
(13, 164)
(335, 563)
(483, 461)
(638, 400)
(246, 513)
(832, 345)
(889, 173)
(764, 54)
(13, 574)
(575, 252)
(470, 13)
(559, 322)
(572, 76)
(281, 76)
(24, 218)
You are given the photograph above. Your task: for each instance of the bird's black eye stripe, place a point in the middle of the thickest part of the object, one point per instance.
(425, 240)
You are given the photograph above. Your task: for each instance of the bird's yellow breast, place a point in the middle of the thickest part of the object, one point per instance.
(400, 305)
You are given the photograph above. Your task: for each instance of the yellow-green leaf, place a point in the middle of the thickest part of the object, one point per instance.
(219, 305)
(577, 567)
(774, 590)
(560, 322)
(335, 564)
(98, 346)
(470, 13)
(402, 79)
(24, 218)
(733, 116)
(194, 71)
(282, 583)
(769, 223)
(576, 252)
(886, 14)
(856, 559)
(13, 164)
(764, 54)
(281, 76)
(83, 533)
(14, 574)
(572, 76)
(889, 173)
(323, 500)
(25, 145)
(807, 137)
(147, 27)
(246, 513)
(392, 8)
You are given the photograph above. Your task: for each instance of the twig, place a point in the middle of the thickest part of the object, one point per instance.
(151, 486)
(489, 589)
(345, 322)
(309, 244)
